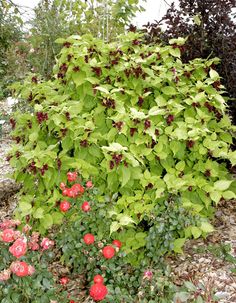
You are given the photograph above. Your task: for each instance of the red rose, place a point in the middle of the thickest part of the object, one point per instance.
(89, 239)
(98, 291)
(64, 280)
(8, 235)
(71, 176)
(64, 206)
(89, 184)
(20, 269)
(65, 192)
(18, 248)
(78, 188)
(71, 193)
(117, 243)
(98, 279)
(108, 252)
(85, 206)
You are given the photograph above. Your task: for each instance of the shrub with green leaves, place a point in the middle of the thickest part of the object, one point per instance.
(137, 121)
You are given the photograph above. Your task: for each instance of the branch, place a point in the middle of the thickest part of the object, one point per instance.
(167, 3)
(18, 5)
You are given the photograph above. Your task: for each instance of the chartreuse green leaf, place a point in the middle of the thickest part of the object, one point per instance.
(178, 41)
(206, 227)
(178, 245)
(125, 220)
(169, 90)
(229, 195)
(175, 52)
(38, 213)
(222, 185)
(57, 218)
(196, 232)
(215, 196)
(115, 225)
(197, 19)
(79, 78)
(180, 166)
(114, 147)
(25, 208)
(214, 75)
(125, 175)
(102, 89)
(46, 221)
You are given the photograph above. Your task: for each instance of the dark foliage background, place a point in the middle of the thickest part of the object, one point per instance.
(211, 29)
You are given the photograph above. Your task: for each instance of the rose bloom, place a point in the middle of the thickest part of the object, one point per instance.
(33, 245)
(46, 243)
(9, 223)
(5, 275)
(31, 270)
(78, 188)
(71, 176)
(89, 184)
(98, 291)
(20, 269)
(18, 248)
(8, 235)
(35, 236)
(148, 275)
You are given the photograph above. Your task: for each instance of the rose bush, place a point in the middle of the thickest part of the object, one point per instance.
(86, 249)
(24, 275)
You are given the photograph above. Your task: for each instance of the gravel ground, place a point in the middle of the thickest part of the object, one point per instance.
(8, 187)
(206, 261)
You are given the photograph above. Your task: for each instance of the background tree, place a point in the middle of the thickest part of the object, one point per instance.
(61, 18)
(10, 33)
(211, 30)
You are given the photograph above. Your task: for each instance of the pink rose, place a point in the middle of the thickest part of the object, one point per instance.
(5, 275)
(35, 236)
(46, 243)
(31, 270)
(18, 248)
(148, 275)
(9, 223)
(8, 235)
(33, 245)
(89, 184)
